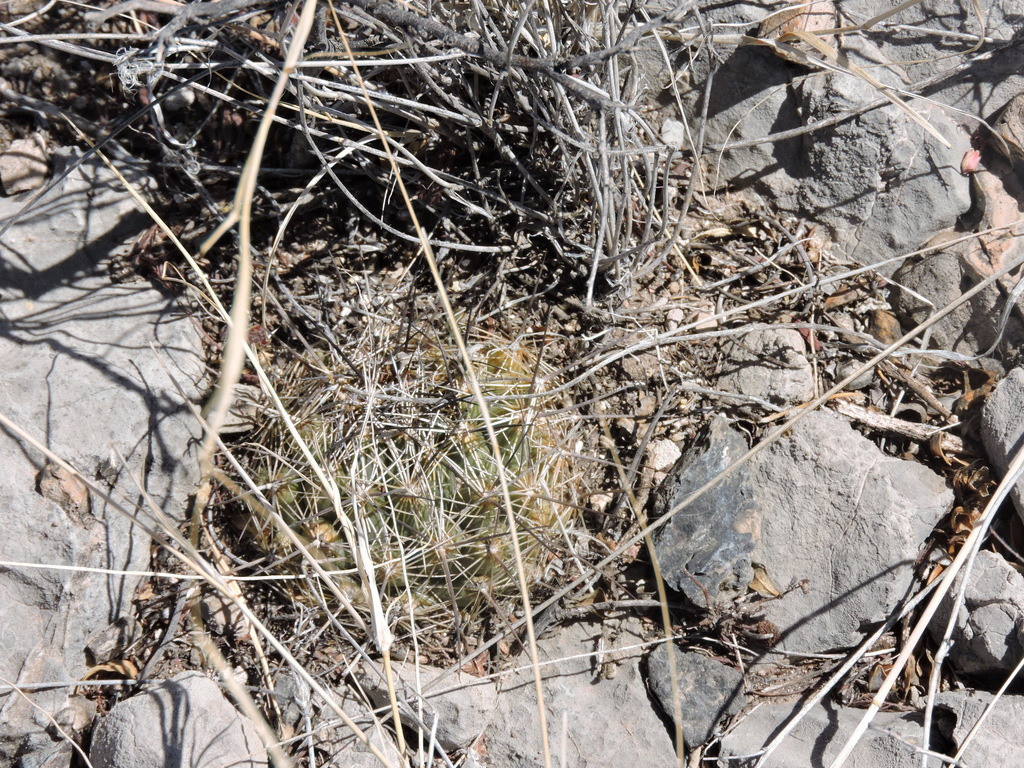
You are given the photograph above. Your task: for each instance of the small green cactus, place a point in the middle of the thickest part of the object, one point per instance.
(409, 450)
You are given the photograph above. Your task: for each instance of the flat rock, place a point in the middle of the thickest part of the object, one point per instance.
(999, 738)
(79, 375)
(822, 507)
(1002, 426)
(820, 736)
(988, 639)
(24, 166)
(709, 691)
(595, 701)
(457, 707)
(339, 744)
(183, 721)
(704, 550)
(844, 520)
(769, 364)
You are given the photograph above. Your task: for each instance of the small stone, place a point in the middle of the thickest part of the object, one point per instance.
(1003, 425)
(222, 616)
(599, 712)
(24, 166)
(708, 543)
(341, 747)
(958, 712)
(770, 365)
(673, 133)
(294, 697)
(709, 692)
(110, 642)
(78, 714)
(461, 705)
(704, 322)
(987, 640)
(847, 367)
(662, 454)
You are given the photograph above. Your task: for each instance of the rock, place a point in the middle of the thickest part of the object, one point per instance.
(111, 642)
(662, 454)
(989, 633)
(595, 701)
(56, 756)
(822, 507)
(294, 698)
(846, 521)
(24, 167)
(674, 133)
(991, 81)
(880, 183)
(818, 738)
(768, 364)
(222, 616)
(175, 723)
(461, 705)
(709, 691)
(924, 286)
(80, 376)
(999, 738)
(341, 746)
(1002, 425)
(711, 540)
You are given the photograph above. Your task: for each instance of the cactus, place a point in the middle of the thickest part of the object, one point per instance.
(412, 458)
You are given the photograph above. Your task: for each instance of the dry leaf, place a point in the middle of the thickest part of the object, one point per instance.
(762, 583)
(714, 232)
(884, 326)
(816, 16)
(117, 669)
(844, 296)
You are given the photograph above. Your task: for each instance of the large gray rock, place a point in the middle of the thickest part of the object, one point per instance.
(708, 691)
(923, 286)
(988, 639)
(1002, 427)
(456, 707)
(845, 520)
(338, 743)
(181, 722)
(998, 742)
(822, 507)
(979, 89)
(878, 182)
(595, 700)
(820, 736)
(79, 375)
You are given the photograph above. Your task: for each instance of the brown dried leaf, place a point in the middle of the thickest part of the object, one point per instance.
(762, 583)
(815, 16)
(119, 668)
(884, 326)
